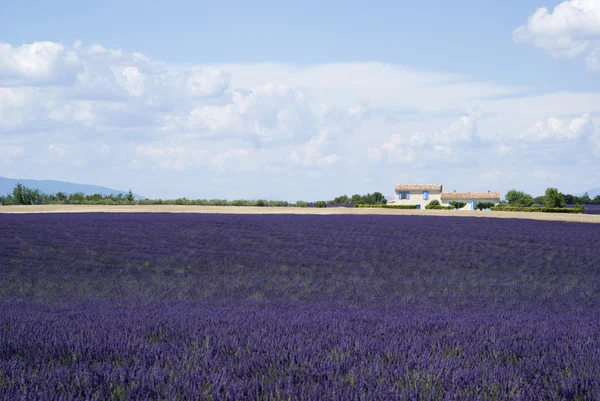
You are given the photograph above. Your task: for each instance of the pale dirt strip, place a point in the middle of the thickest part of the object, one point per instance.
(582, 218)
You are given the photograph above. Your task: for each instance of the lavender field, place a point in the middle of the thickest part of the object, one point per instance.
(589, 209)
(286, 307)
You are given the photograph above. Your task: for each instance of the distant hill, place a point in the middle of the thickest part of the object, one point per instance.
(591, 192)
(52, 187)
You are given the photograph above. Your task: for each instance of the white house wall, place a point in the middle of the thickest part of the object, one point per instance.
(416, 198)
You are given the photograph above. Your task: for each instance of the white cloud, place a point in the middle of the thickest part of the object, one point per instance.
(348, 123)
(10, 152)
(131, 80)
(59, 150)
(316, 152)
(76, 111)
(176, 158)
(232, 159)
(265, 114)
(572, 29)
(421, 148)
(40, 62)
(558, 130)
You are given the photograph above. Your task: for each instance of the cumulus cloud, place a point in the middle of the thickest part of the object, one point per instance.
(10, 152)
(422, 147)
(555, 129)
(572, 29)
(316, 152)
(89, 106)
(59, 150)
(175, 158)
(39, 62)
(265, 114)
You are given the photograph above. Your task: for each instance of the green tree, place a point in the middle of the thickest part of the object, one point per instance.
(584, 199)
(538, 200)
(553, 198)
(61, 197)
(484, 205)
(356, 199)
(457, 205)
(129, 197)
(342, 200)
(379, 198)
(321, 204)
(518, 198)
(19, 194)
(94, 197)
(76, 198)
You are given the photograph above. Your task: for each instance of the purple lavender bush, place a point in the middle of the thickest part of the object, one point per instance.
(289, 307)
(588, 209)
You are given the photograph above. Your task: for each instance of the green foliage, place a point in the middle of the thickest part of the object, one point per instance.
(238, 202)
(537, 209)
(518, 198)
(76, 198)
(342, 200)
(129, 197)
(484, 205)
(389, 206)
(321, 204)
(376, 198)
(439, 207)
(436, 205)
(585, 199)
(538, 200)
(301, 204)
(22, 195)
(457, 204)
(554, 199)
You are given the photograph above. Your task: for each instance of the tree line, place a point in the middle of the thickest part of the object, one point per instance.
(22, 195)
(552, 198)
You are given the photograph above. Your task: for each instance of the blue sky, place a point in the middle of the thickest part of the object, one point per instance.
(337, 97)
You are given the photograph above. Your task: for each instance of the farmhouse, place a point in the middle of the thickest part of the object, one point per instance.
(422, 194)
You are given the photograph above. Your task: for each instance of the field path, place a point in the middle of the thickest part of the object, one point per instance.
(582, 218)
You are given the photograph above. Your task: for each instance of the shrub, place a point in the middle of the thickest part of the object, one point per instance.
(389, 206)
(301, 204)
(518, 198)
(553, 198)
(484, 205)
(434, 202)
(536, 209)
(320, 204)
(439, 207)
(457, 205)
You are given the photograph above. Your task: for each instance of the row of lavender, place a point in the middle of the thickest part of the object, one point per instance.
(167, 306)
(589, 209)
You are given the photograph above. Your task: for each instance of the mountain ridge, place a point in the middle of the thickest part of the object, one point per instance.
(53, 186)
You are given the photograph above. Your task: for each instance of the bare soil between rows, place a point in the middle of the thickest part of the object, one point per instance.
(582, 218)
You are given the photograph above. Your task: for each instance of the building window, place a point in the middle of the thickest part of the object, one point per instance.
(425, 195)
(404, 195)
